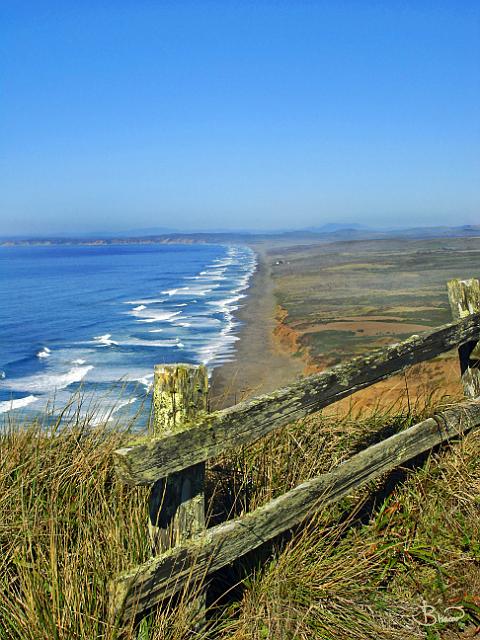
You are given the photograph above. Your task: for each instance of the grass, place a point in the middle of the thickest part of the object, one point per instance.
(388, 562)
(380, 572)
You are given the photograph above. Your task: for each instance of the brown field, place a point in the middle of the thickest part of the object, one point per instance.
(368, 327)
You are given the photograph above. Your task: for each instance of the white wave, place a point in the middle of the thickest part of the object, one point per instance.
(146, 381)
(145, 301)
(223, 263)
(216, 347)
(123, 403)
(219, 346)
(9, 405)
(221, 284)
(199, 321)
(145, 312)
(139, 342)
(105, 340)
(117, 373)
(242, 283)
(199, 290)
(212, 274)
(44, 353)
(46, 382)
(79, 361)
(227, 304)
(150, 315)
(104, 409)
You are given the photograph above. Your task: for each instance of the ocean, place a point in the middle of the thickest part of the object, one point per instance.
(94, 320)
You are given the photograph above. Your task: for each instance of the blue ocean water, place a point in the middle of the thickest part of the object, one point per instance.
(91, 316)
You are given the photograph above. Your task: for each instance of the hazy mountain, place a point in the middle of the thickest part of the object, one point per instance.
(330, 233)
(333, 227)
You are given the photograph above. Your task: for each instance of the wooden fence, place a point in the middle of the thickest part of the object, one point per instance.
(172, 459)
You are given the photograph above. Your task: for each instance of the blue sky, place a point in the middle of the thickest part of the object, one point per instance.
(269, 114)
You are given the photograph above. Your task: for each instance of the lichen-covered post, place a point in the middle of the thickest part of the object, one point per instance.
(177, 509)
(177, 504)
(464, 297)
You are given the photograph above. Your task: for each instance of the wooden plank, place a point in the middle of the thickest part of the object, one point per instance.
(464, 297)
(160, 577)
(145, 461)
(177, 503)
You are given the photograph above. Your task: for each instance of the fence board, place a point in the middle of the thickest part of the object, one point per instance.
(464, 298)
(160, 577)
(147, 460)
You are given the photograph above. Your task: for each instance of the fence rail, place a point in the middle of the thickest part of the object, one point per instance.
(246, 422)
(173, 459)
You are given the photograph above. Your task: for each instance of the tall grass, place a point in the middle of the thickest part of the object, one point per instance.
(67, 526)
(362, 569)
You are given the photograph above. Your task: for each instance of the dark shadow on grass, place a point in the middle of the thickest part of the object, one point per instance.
(227, 585)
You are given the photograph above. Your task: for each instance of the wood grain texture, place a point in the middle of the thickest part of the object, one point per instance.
(160, 577)
(177, 503)
(464, 298)
(146, 460)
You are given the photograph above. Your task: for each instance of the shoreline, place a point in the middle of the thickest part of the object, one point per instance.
(265, 360)
(260, 366)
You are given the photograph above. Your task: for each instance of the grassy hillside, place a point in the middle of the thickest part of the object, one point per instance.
(389, 562)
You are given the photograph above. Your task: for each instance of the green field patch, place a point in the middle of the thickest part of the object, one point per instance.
(355, 266)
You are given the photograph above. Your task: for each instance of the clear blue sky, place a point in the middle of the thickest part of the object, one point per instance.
(127, 114)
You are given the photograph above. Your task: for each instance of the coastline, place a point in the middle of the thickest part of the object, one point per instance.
(260, 366)
(270, 354)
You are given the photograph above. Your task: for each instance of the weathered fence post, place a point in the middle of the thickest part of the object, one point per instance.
(464, 298)
(177, 503)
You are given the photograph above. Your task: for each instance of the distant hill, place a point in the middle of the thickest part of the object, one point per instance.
(465, 230)
(339, 232)
(333, 227)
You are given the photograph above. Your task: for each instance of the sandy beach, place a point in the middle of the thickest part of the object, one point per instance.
(259, 366)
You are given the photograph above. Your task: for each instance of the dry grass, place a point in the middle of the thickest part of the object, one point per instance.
(391, 570)
(67, 525)
(362, 569)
